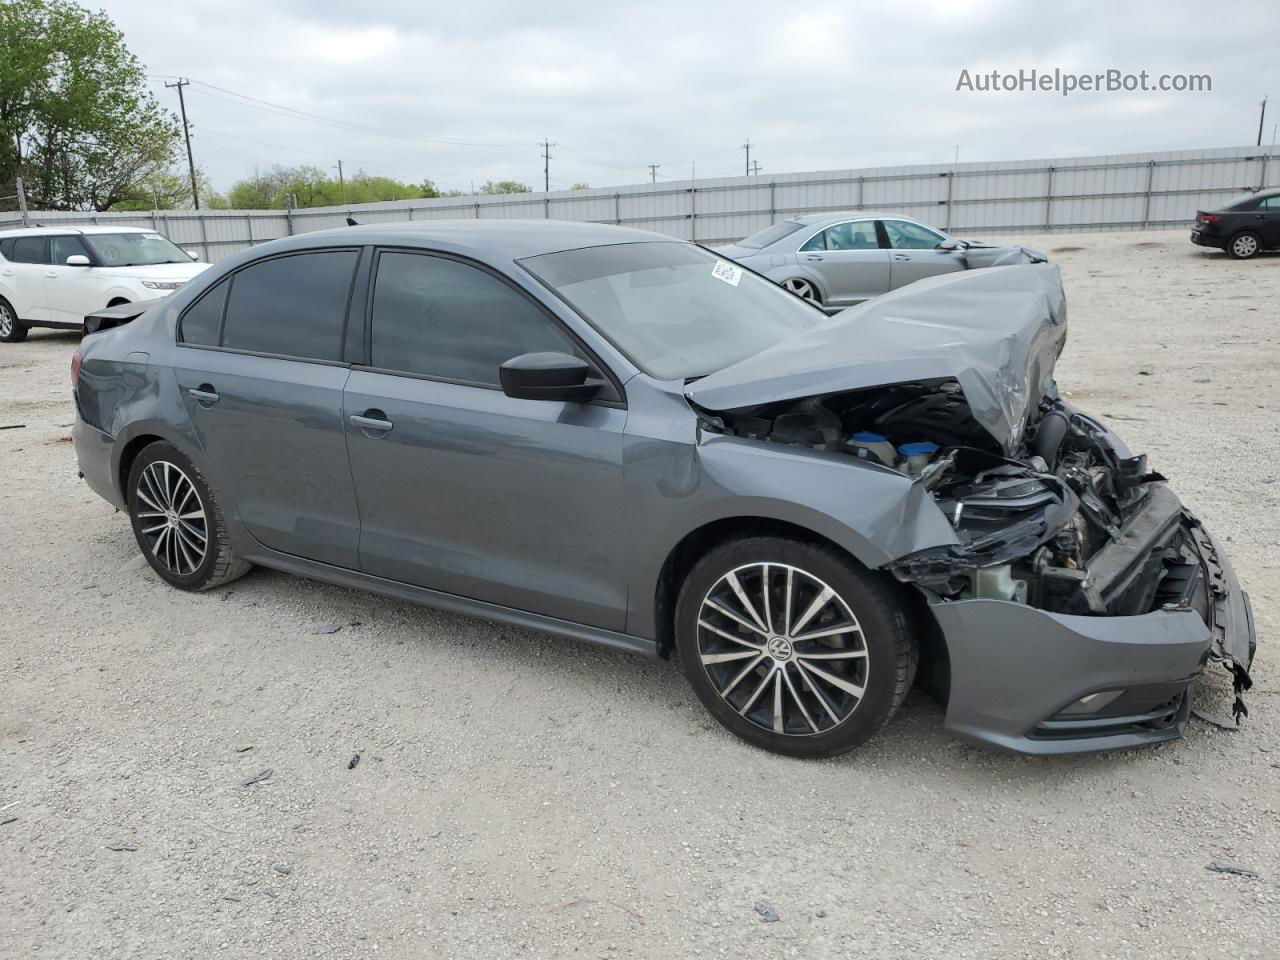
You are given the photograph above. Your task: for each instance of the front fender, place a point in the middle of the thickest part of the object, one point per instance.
(874, 513)
(121, 291)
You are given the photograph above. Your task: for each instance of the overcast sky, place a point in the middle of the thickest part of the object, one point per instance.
(618, 86)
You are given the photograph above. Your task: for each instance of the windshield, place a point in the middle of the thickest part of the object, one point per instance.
(134, 249)
(675, 310)
(758, 241)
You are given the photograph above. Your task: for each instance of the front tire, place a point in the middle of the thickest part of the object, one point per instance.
(178, 523)
(792, 646)
(12, 330)
(1244, 245)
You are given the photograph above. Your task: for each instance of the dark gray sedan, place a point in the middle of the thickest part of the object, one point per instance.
(835, 260)
(620, 438)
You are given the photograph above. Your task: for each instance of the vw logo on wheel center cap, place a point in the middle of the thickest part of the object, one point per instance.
(779, 648)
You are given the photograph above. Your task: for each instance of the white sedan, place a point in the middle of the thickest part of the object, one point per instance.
(52, 277)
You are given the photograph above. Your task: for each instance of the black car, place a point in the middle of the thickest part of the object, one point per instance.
(1243, 227)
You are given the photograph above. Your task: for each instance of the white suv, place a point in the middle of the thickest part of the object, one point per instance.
(52, 277)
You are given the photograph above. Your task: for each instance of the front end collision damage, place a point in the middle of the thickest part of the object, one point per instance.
(1076, 597)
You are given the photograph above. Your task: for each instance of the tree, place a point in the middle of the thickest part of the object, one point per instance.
(169, 190)
(76, 120)
(581, 186)
(309, 186)
(262, 191)
(505, 186)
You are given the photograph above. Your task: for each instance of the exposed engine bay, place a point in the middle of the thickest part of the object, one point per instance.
(1073, 523)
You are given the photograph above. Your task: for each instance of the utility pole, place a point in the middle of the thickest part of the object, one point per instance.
(653, 172)
(1262, 119)
(755, 167)
(186, 132)
(546, 165)
(342, 183)
(22, 202)
(747, 147)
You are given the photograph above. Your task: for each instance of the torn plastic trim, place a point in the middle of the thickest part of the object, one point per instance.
(937, 568)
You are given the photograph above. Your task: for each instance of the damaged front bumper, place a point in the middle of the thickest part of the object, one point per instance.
(1045, 682)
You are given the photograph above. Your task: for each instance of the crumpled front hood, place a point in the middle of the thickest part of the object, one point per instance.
(997, 332)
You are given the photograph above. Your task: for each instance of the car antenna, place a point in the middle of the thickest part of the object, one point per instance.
(352, 222)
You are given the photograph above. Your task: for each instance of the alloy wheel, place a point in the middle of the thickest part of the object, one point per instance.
(172, 518)
(1245, 246)
(6, 321)
(783, 649)
(802, 289)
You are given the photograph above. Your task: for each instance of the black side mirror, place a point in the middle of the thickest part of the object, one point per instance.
(548, 376)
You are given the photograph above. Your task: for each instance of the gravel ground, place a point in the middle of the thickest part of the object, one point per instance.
(521, 795)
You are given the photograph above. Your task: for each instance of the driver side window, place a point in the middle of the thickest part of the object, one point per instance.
(904, 235)
(63, 247)
(442, 318)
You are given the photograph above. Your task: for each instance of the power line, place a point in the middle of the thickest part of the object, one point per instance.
(206, 131)
(241, 99)
(653, 172)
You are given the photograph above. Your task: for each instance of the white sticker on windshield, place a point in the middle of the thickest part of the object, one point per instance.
(727, 272)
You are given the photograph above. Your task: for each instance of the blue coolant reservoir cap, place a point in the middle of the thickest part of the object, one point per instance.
(916, 449)
(865, 436)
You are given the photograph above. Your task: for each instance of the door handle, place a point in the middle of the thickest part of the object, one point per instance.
(901, 256)
(51, 275)
(372, 421)
(812, 257)
(205, 395)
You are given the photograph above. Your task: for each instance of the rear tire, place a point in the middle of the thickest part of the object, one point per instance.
(12, 330)
(804, 289)
(177, 522)
(814, 671)
(1244, 245)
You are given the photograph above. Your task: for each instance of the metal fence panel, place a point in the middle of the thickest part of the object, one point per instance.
(1130, 191)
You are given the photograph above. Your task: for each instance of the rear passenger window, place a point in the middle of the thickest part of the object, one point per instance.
(30, 250)
(203, 321)
(294, 306)
(446, 319)
(6, 248)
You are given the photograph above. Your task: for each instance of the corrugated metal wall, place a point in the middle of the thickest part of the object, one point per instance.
(1125, 191)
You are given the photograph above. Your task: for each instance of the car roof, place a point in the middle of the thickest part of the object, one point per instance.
(63, 231)
(490, 239)
(837, 216)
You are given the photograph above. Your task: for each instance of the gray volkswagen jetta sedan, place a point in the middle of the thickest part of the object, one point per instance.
(618, 437)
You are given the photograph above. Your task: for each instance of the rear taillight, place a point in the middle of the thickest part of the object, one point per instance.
(77, 361)
(1209, 218)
